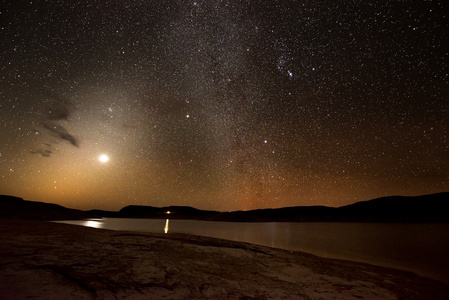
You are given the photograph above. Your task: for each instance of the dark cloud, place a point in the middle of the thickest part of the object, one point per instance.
(58, 108)
(60, 132)
(42, 152)
(58, 111)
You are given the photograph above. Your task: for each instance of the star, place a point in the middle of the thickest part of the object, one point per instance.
(180, 89)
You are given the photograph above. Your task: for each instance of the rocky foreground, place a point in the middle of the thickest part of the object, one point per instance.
(41, 260)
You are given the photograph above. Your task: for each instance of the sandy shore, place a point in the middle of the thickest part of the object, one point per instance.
(42, 260)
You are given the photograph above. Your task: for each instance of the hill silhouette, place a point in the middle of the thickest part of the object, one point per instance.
(174, 212)
(426, 208)
(15, 207)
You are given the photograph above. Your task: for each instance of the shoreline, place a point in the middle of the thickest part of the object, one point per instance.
(52, 260)
(424, 262)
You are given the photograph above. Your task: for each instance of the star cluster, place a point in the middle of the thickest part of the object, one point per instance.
(223, 105)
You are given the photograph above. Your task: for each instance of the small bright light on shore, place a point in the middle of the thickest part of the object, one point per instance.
(103, 158)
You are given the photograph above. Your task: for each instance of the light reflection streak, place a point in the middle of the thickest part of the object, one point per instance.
(166, 226)
(95, 223)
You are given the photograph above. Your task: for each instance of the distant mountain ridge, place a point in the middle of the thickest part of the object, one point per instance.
(426, 208)
(15, 207)
(133, 211)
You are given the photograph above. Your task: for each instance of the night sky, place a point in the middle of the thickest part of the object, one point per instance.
(223, 105)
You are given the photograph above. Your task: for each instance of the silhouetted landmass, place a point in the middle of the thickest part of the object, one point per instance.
(172, 212)
(17, 208)
(104, 213)
(286, 214)
(427, 208)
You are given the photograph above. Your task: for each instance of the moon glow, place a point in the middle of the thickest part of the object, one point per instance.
(103, 158)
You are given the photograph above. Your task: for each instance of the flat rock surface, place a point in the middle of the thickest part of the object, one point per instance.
(42, 260)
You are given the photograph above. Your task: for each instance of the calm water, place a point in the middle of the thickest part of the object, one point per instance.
(420, 248)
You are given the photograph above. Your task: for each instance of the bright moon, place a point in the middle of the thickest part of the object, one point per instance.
(104, 158)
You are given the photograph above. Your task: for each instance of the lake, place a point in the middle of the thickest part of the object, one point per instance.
(421, 248)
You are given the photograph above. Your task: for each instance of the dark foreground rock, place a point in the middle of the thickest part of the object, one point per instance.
(41, 260)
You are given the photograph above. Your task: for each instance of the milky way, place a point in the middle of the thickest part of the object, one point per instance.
(223, 105)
